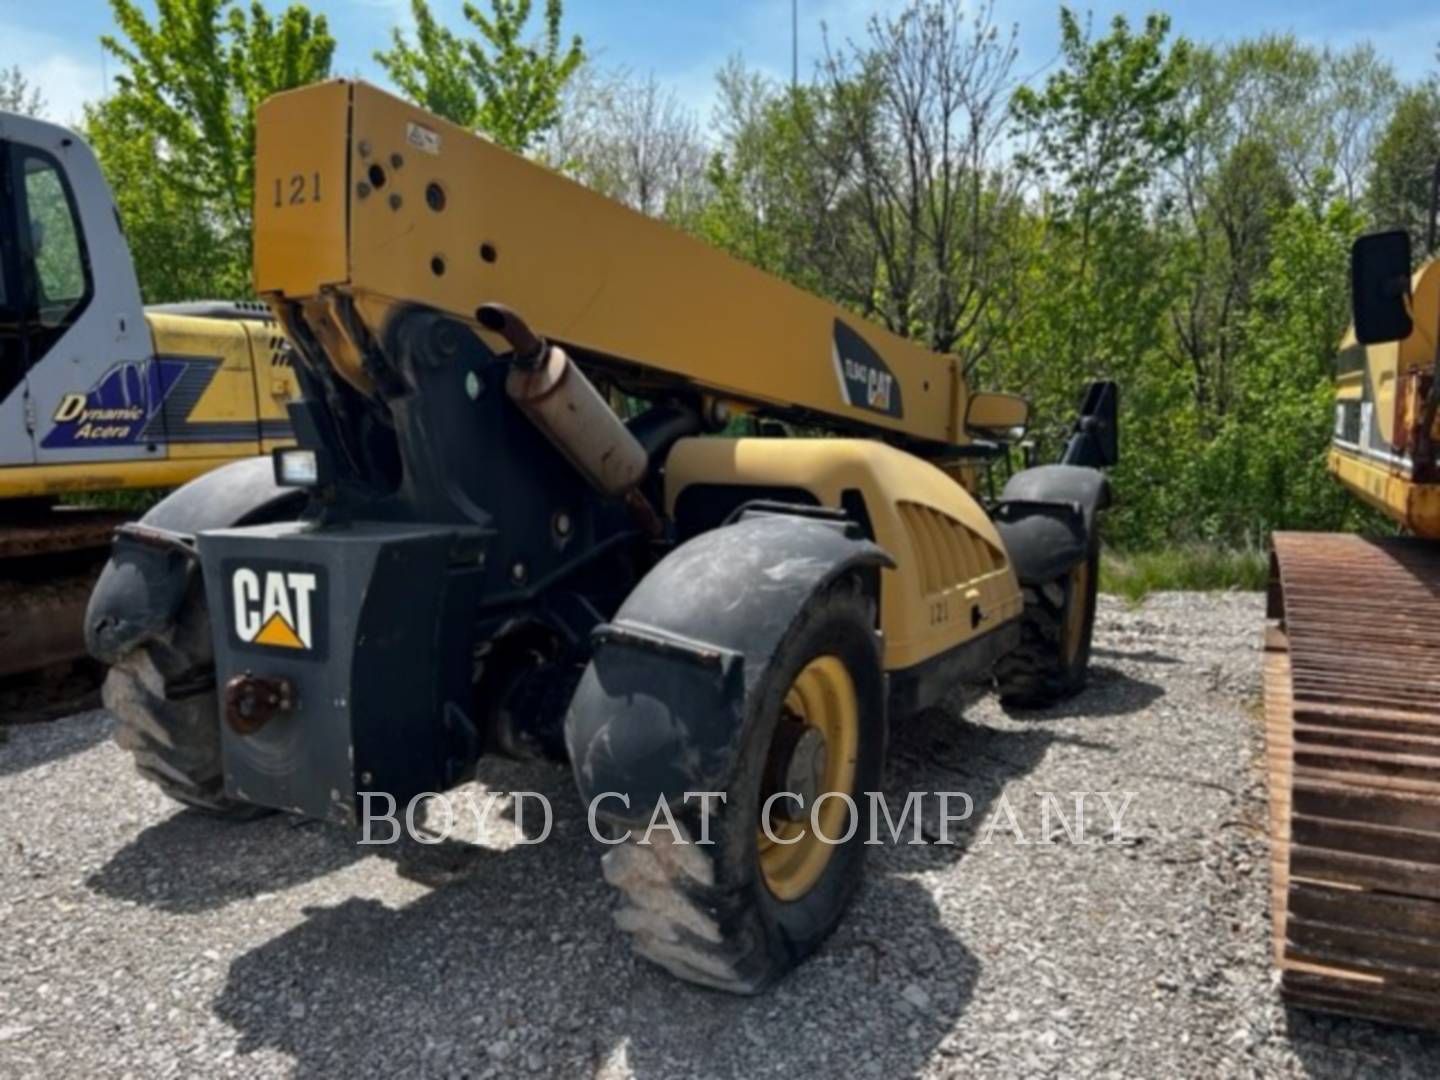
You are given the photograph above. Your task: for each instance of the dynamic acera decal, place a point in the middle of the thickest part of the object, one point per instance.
(274, 607)
(148, 401)
(865, 380)
(118, 409)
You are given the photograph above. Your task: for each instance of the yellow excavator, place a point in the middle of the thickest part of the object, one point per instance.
(1352, 678)
(518, 521)
(97, 392)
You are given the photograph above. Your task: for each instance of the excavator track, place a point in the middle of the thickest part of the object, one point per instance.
(1352, 721)
(49, 559)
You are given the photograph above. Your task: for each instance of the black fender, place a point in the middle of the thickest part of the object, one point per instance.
(661, 708)
(139, 593)
(1046, 518)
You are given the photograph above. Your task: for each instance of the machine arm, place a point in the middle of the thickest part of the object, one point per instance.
(366, 204)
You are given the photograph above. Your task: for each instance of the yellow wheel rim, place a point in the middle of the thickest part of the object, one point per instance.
(1075, 616)
(823, 699)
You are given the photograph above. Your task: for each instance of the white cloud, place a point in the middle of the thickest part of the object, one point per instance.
(67, 79)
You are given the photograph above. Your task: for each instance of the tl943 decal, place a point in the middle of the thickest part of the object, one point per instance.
(866, 382)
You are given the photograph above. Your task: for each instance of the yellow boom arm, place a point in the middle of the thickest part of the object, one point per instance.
(363, 197)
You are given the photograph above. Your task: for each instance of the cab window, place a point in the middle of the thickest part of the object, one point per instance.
(62, 284)
(12, 331)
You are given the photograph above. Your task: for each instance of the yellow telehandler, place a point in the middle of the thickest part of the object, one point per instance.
(525, 530)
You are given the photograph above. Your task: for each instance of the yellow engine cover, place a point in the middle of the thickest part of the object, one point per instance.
(953, 580)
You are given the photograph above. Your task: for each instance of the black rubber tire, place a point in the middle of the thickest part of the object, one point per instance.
(1037, 672)
(704, 912)
(162, 694)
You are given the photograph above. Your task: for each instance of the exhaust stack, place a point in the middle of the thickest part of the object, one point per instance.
(554, 393)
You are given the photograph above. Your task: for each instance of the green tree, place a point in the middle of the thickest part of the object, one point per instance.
(17, 95)
(1406, 158)
(921, 107)
(780, 199)
(177, 137)
(1265, 469)
(633, 141)
(1106, 121)
(495, 83)
(1096, 283)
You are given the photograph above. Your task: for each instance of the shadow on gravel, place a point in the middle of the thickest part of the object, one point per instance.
(1339, 1046)
(27, 746)
(192, 862)
(516, 967)
(941, 751)
(1110, 692)
(1136, 656)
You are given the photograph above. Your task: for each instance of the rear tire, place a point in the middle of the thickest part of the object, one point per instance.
(162, 693)
(707, 912)
(1052, 661)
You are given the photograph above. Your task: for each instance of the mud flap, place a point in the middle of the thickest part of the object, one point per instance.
(140, 591)
(661, 708)
(1047, 519)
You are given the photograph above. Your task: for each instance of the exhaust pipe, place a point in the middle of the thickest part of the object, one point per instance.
(554, 393)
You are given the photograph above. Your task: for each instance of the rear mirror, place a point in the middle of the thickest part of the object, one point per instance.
(997, 416)
(1380, 287)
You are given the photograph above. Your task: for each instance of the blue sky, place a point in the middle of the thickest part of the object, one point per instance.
(683, 42)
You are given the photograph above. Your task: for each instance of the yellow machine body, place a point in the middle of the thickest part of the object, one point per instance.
(950, 559)
(227, 385)
(366, 206)
(1380, 391)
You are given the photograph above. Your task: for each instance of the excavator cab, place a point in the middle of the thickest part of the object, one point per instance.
(71, 298)
(98, 392)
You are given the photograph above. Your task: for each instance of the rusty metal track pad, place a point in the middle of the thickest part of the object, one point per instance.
(1352, 723)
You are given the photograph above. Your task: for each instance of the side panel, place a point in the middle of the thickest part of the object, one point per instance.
(273, 369)
(1414, 506)
(194, 398)
(208, 409)
(953, 581)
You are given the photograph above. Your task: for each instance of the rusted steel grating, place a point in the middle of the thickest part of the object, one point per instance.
(57, 531)
(49, 559)
(1352, 722)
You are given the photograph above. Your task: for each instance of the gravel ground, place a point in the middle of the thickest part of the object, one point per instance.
(139, 940)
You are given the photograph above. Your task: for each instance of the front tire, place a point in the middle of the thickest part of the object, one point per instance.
(739, 912)
(162, 693)
(1052, 661)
